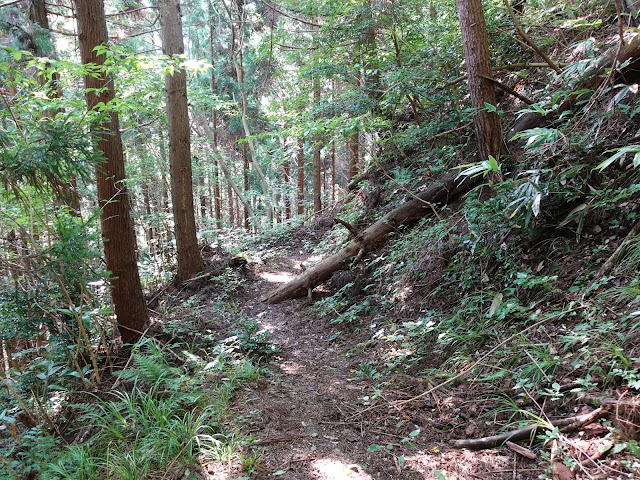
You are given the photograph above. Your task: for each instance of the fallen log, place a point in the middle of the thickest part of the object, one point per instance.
(441, 191)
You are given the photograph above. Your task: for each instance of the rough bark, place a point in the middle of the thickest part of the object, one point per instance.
(481, 89)
(216, 180)
(353, 147)
(188, 254)
(333, 171)
(245, 176)
(286, 167)
(317, 178)
(116, 222)
(441, 191)
(300, 176)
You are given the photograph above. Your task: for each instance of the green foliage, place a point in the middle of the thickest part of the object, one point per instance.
(251, 339)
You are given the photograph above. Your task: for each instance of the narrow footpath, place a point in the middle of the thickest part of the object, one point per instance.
(310, 417)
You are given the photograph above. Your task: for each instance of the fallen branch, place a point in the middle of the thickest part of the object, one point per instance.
(611, 261)
(627, 55)
(441, 191)
(528, 40)
(564, 424)
(509, 90)
(525, 452)
(470, 368)
(346, 225)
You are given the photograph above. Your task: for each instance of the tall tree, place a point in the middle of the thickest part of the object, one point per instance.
(116, 222)
(189, 257)
(300, 175)
(479, 75)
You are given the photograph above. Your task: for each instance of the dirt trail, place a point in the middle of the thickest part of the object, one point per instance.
(307, 417)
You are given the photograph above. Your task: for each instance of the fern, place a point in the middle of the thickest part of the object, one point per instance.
(152, 370)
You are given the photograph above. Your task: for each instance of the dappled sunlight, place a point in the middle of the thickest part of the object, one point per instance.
(219, 471)
(292, 368)
(279, 277)
(333, 469)
(461, 464)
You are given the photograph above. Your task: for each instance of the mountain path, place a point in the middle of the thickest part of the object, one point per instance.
(308, 416)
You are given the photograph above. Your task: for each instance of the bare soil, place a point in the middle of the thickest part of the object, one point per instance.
(314, 417)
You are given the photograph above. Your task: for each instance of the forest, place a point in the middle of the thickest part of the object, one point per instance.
(373, 239)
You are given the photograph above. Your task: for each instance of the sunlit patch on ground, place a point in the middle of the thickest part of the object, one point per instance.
(332, 469)
(462, 464)
(292, 368)
(276, 277)
(219, 471)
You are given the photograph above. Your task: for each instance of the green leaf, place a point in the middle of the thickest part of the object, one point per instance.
(374, 448)
(621, 152)
(17, 55)
(415, 433)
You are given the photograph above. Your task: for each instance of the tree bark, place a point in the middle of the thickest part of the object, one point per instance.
(447, 188)
(300, 176)
(113, 199)
(66, 191)
(189, 257)
(353, 147)
(286, 167)
(333, 171)
(217, 194)
(481, 89)
(245, 175)
(317, 177)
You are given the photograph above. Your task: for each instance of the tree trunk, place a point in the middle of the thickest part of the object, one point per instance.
(117, 226)
(237, 59)
(353, 148)
(231, 184)
(317, 178)
(232, 217)
(217, 194)
(203, 195)
(245, 170)
(300, 176)
(333, 171)
(286, 166)
(481, 88)
(66, 192)
(189, 257)
(442, 191)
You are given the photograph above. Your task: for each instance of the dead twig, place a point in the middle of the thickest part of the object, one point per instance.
(565, 425)
(525, 452)
(610, 262)
(509, 90)
(527, 39)
(469, 368)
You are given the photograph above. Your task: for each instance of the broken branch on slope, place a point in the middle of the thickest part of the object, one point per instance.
(565, 425)
(447, 188)
(624, 59)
